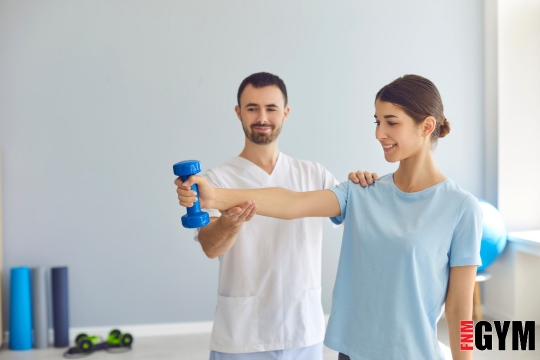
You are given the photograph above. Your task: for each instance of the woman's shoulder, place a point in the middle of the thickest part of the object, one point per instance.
(452, 188)
(385, 180)
(460, 196)
(382, 185)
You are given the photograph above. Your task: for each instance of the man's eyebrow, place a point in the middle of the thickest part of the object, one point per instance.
(387, 116)
(268, 106)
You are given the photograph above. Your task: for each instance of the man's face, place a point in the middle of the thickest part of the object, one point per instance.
(262, 112)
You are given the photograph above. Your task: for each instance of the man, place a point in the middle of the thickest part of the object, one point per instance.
(269, 292)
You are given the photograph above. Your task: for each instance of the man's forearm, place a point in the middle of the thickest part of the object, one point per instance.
(218, 237)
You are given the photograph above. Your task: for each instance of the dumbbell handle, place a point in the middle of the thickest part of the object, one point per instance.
(196, 208)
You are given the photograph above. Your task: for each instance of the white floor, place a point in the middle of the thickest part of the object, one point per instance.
(195, 347)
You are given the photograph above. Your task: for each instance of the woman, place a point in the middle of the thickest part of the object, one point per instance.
(410, 244)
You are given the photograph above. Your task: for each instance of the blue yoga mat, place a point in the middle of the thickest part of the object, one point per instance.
(59, 281)
(20, 315)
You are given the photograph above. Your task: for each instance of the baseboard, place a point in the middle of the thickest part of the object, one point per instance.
(170, 329)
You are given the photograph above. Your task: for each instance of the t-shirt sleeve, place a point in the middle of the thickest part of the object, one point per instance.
(328, 182)
(465, 247)
(342, 193)
(213, 180)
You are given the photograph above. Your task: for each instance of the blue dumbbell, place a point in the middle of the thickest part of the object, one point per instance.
(195, 218)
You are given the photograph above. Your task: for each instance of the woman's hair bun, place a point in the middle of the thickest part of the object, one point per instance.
(444, 128)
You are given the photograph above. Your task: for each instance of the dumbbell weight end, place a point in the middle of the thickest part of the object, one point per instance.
(195, 218)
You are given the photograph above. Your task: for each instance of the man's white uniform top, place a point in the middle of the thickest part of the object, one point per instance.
(269, 292)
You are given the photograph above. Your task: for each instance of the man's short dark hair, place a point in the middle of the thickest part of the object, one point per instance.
(263, 79)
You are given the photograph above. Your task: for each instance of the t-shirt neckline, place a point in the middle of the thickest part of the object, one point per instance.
(252, 164)
(416, 193)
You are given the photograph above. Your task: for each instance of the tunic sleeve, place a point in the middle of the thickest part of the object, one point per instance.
(465, 247)
(329, 181)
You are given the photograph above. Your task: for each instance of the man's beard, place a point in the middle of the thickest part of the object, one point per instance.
(261, 138)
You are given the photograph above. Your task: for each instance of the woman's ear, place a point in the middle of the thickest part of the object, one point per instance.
(428, 126)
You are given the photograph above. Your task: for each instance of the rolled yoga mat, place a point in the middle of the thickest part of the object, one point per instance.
(40, 307)
(59, 280)
(20, 315)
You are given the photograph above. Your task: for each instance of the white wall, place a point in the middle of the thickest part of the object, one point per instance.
(513, 72)
(491, 105)
(519, 122)
(99, 98)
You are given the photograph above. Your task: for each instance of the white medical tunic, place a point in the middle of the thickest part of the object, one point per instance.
(269, 292)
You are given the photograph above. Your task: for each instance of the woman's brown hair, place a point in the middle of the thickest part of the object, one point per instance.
(419, 98)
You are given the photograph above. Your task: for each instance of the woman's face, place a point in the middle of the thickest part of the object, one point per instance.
(398, 133)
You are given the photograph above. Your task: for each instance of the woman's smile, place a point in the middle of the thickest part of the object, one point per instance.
(388, 147)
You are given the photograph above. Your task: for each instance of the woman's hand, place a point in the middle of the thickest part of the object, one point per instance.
(363, 177)
(186, 196)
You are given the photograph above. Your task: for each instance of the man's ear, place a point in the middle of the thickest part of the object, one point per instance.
(286, 112)
(428, 126)
(237, 111)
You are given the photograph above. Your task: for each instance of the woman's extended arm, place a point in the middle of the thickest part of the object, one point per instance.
(459, 304)
(273, 202)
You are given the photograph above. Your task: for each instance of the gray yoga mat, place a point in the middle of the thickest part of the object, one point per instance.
(40, 306)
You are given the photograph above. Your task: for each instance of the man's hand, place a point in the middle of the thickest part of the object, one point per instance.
(220, 235)
(187, 197)
(363, 177)
(237, 215)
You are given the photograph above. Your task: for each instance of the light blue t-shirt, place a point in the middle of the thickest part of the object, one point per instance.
(394, 266)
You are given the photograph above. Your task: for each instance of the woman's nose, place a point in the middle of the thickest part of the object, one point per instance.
(379, 134)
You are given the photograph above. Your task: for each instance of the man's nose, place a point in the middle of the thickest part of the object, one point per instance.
(263, 116)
